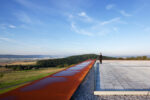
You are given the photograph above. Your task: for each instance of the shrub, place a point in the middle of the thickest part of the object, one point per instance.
(1, 75)
(60, 66)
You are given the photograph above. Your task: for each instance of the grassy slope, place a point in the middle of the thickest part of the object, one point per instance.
(18, 77)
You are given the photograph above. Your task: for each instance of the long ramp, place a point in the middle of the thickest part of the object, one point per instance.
(58, 86)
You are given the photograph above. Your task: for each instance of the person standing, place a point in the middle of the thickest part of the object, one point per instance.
(100, 58)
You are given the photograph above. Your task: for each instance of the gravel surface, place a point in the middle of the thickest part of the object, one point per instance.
(86, 89)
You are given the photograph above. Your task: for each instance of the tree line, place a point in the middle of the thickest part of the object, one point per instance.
(59, 62)
(64, 62)
(135, 58)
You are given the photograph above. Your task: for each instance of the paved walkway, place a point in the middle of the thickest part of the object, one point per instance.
(123, 76)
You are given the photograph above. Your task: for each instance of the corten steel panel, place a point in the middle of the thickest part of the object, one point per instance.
(58, 86)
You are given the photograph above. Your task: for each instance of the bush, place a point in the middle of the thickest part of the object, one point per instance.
(60, 66)
(63, 65)
(1, 75)
(22, 67)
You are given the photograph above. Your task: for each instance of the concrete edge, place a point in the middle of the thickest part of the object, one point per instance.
(121, 93)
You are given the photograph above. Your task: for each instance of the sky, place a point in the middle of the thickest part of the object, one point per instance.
(67, 27)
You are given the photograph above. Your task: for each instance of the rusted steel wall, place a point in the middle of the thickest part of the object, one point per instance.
(58, 86)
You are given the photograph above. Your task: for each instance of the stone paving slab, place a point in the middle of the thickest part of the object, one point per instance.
(123, 76)
(86, 91)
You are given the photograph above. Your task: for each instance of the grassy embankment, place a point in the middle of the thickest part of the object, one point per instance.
(12, 79)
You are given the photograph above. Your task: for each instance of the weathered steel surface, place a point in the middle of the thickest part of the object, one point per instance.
(58, 86)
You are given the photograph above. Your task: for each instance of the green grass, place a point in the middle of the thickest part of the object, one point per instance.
(15, 79)
(10, 88)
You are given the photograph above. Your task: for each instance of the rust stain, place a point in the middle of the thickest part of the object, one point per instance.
(58, 86)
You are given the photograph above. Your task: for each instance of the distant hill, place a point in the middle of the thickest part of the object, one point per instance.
(55, 62)
(69, 60)
(93, 56)
(90, 56)
(53, 56)
(26, 56)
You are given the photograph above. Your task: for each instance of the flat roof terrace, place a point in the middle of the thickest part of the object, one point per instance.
(122, 78)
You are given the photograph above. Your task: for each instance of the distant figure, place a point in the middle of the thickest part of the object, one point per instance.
(100, 58)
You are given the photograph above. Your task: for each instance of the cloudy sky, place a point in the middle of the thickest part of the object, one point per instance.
(60, 27)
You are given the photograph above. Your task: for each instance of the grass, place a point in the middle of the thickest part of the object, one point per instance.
(11, 88)
(14, 79)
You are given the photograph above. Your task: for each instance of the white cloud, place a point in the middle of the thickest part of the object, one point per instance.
(125, 13)
(27, 18)
(6, 26)
(117, 19)
(80, 31)
(122, 12)
(95, 27)
(82, 14)
(94, 30)
(85, 16)
(6, 39)
(12, 26)
(110, 6)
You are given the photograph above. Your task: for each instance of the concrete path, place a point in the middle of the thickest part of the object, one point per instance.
(123, 76)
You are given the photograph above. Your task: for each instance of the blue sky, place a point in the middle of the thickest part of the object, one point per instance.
(60, 27)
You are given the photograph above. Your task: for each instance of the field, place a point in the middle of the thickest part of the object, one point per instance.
(12, 79)
(5, 61)
(23, 63)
